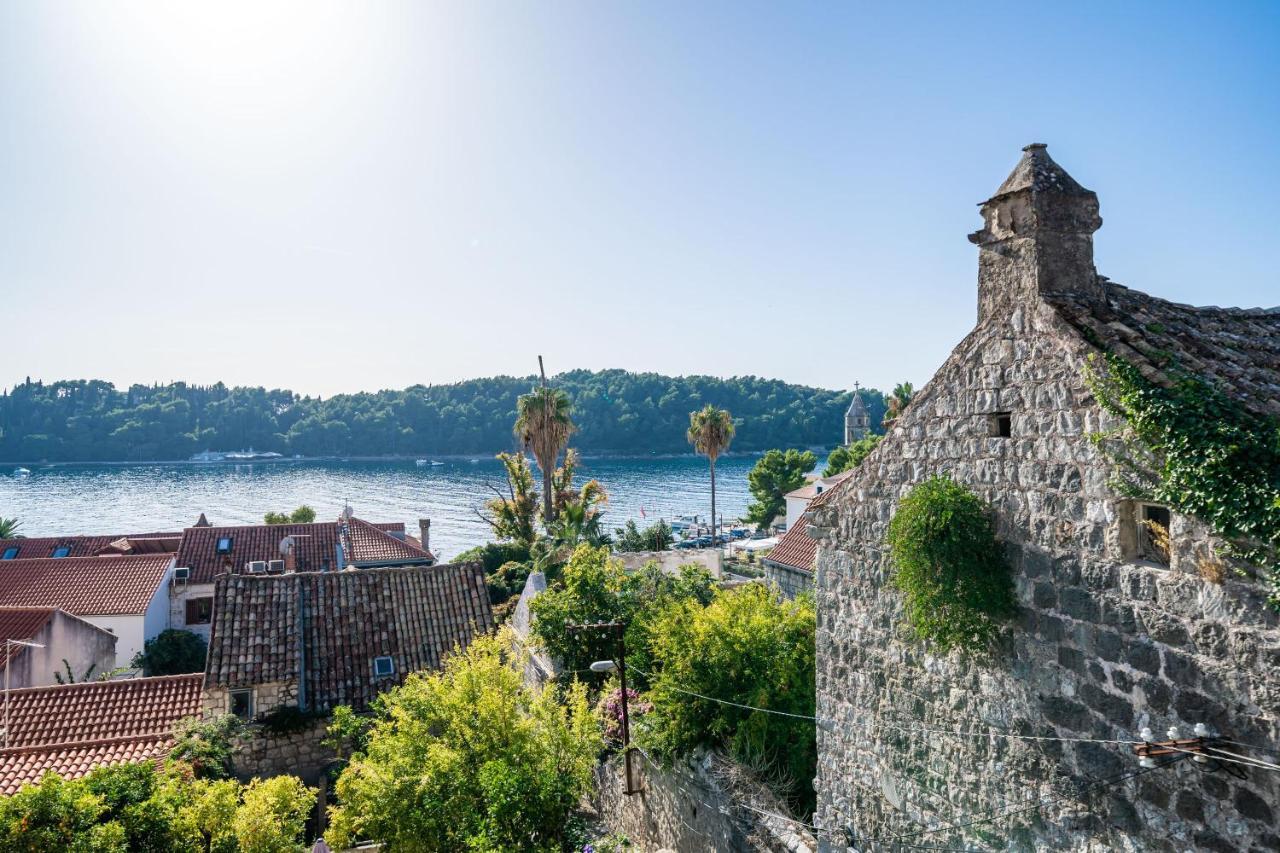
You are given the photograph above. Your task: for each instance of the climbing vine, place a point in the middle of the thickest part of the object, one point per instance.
(950, 567)
(1198, 451)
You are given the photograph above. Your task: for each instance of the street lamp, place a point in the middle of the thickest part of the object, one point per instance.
(8, 665)
(619, 663)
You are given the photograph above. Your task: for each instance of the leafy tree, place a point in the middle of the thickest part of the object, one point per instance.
(208, 745)
(135, 800)
(272, 816)
(302, 515)
(206, 815)
(9, 528)
(655, 537)
(710, 432)
(749, 646)
(956, 583)
(513, 516)
(849, 456)
(470, 758)
(543, 426)
(57, 815)
(898, 401)
(172, 652)
(775, 474)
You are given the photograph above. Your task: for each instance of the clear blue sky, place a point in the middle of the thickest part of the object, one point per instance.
(339, 198)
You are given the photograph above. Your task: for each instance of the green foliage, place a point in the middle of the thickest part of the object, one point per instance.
(70, 677)
(9, 528)
(513, 516)
(348, 732)
(506, 567)
(208, 745)
(139, 809)
(596, 588)
(469, 759)
(950, 567)
(543, 426)
(849, 456)
(775, 474)
(750, 646)
(1200, 452)
(302, 515)
(273, 815)
(172, 652)
(288, 719)
(655, 537)
(87, 421)
(896, 403)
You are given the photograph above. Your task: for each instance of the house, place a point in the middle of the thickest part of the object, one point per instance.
(798, 499)
(789, 563)
(206, 552)
(71, 729)
(61, 641)
(127, 596)
(315, 640)
(60, 547)
(1030, 747)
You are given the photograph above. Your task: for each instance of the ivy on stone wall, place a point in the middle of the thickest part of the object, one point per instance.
(951, 569)
(1198, 451)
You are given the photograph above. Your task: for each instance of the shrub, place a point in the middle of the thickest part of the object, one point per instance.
(288, 719)
(209, 746)
(469, 758)
(749, 646)
(949, 566)
(172, 652)
(57, 815)
(272, 816)
(655, 537)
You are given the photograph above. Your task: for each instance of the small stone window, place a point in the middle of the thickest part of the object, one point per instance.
(242, 703)
(1145, 532)
(1000, 424)
(199, 610)
(384, 666)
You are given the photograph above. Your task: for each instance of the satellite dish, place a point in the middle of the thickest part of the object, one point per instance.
(286, 545)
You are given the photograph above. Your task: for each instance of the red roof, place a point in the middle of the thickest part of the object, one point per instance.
(20, 623)
(315, 547)
(85, 586)
(89, 546)
(73, 728)
(795, 549)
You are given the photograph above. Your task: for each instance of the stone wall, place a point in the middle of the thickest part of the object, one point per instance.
(300, 753)
(1105, 642)
(790, 580)
(697, 805)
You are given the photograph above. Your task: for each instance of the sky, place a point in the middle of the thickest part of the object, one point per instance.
(343, 197)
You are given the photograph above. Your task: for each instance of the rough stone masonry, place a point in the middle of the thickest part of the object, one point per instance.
(1110, 637)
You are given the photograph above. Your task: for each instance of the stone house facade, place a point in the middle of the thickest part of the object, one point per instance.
(1111, 636)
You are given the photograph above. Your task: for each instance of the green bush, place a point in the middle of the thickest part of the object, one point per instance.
(749, 646)
(172, 652)
(849, 456)
(775, 474)
(949, 566)
(469, 758)
(208, 745)
(272, 816)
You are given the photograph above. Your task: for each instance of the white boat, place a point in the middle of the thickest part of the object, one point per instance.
(434, 463)
(421, 463)
(22, 472)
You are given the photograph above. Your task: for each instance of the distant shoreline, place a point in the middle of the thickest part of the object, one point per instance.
(444, 457)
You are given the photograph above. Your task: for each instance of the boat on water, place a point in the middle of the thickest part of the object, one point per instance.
(421, 463)
(22, 472)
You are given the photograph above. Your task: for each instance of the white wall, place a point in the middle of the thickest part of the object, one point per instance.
(129, 631)
(795, 509)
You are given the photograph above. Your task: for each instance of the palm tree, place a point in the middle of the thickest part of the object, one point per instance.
(710, 433)
(543, 426)
(9, 528)
(902, 394)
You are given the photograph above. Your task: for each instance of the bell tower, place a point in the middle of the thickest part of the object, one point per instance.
(857, 420)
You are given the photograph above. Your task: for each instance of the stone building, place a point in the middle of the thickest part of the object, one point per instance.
(857, 420)
(1112, 634)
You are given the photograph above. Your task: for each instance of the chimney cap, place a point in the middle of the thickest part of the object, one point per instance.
(1039, 173)
(1039, 145)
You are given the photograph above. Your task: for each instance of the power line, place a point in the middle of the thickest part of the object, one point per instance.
(727, 702)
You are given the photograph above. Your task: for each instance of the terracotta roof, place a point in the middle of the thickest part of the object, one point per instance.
(20, 623)
(85, 586)
(795, 549)
(89, 546)
(1236, 349)
(73, 728)
(316, 547)
(810, 490)
(416, 615)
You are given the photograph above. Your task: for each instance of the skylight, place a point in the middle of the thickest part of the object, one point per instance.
(61, 551)
(9, 553)
(224, 545)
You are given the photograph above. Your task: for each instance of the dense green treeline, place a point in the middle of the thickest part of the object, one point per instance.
(616, 411)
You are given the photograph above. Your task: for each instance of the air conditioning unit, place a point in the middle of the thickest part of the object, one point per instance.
(275, 566)
(256, 567)
(182, 574)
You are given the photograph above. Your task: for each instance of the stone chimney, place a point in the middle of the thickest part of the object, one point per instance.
(288, 550)
(424, 533)
(1036, 239)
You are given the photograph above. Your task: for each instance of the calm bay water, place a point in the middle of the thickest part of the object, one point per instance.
(61, 500)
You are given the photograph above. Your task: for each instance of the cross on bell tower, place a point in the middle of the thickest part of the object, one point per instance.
(857, 420)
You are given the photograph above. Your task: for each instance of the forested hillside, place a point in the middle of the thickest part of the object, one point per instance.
(615, 411)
